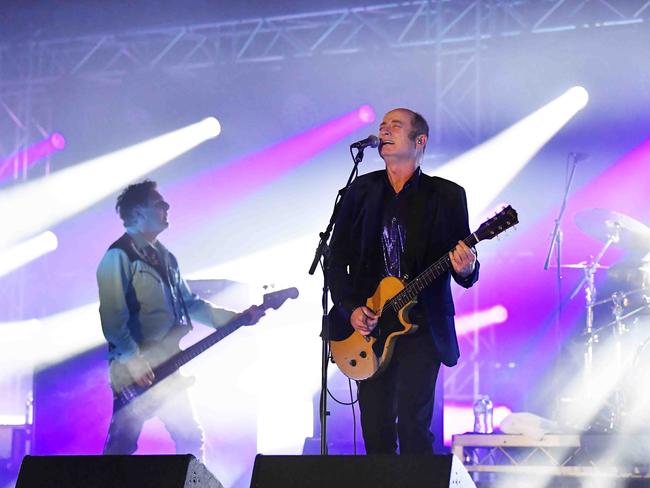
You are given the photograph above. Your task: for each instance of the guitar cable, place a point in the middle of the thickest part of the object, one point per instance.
(351, 404)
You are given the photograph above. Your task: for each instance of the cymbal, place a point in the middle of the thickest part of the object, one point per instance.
(636, 273)
(602, 224)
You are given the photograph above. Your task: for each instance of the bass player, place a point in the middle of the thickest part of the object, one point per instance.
(144, 304)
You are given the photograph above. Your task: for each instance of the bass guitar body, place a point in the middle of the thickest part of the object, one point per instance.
(361, 357)
(125, 391)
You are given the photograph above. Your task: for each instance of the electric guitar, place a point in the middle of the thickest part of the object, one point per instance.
(361, 357)
(166, 357)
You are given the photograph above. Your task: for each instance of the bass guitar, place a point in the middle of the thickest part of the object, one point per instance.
(361, 357)
(166, 357)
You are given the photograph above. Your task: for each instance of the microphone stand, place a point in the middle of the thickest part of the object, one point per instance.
(556, 244)
(322, 253)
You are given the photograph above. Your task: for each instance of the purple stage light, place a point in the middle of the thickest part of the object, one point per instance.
(528, 292)
(212, 190)
(57, 141)
(466, 324)
(30, 155)
(366, 114)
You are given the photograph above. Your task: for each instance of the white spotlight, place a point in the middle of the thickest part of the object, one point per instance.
(51, 339)
(579, 96)
(211, 126)
(488, 168)
(483, 318)
(39, 204)
(21, 254)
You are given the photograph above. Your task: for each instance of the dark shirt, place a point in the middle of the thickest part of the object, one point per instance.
(394, 221)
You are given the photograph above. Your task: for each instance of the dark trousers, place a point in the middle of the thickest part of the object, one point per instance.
(398, 404)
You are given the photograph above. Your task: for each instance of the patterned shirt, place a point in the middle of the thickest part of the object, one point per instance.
(395, 217)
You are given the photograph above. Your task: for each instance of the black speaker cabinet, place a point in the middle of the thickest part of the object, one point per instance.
(174, 471)
(378, 471)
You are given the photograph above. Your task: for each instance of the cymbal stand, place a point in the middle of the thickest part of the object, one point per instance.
(590, 298)
(619, 329)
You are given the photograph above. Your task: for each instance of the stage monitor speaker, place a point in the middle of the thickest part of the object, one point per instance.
(378, 471)
(173, 471)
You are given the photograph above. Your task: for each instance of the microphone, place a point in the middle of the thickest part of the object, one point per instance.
(577, 157)
(370, 141)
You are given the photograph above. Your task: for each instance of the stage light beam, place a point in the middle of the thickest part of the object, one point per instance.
(237, 179)
(20, 254)
(473, 322)
(41, 203)
(489, 167)
(51, 339)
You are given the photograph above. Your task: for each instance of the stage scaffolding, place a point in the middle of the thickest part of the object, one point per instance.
(458, 34)
(455, 32)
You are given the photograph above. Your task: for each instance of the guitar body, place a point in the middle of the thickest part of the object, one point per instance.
(125, 390)
(361, 357)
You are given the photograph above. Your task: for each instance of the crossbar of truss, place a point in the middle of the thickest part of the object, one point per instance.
(270, 39)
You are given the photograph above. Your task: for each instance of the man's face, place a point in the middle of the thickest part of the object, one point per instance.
(394, 133)
(154, 214)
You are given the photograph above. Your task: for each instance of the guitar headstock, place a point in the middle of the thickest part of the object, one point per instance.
(275, 299)
(494, 226)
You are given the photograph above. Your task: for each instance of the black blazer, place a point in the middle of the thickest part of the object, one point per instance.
(356, 263)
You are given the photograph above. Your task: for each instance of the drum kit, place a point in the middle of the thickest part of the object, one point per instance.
(627, 304)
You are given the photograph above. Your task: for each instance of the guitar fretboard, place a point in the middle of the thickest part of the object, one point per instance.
(424, 279)
(173, 364)
(129, 392)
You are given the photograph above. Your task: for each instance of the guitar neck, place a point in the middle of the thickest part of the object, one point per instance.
(424, 279)
(172, 365)
(124, 395)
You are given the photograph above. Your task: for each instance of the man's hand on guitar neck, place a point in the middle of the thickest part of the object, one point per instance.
(363, 320)
(252, 315)
(140, 370)
(463, 259)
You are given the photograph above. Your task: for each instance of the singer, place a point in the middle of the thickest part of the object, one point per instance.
(397, 222)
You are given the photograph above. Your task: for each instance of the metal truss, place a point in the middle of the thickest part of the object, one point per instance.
(399, 25)
(25, 116)
(470, 378)
(554, 455)
(457, 33)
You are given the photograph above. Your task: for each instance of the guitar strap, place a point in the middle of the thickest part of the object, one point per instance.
(165, 265)
(174, 281)
(414, 229)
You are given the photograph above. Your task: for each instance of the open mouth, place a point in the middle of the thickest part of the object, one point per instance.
(384, 143)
